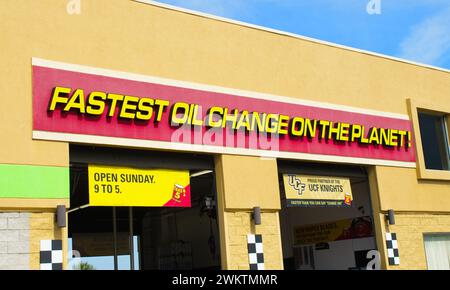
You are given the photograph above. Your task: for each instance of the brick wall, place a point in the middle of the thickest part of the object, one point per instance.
(410, 229)
(20, 236)
(14, 241)
(239, 226)
(42, 227)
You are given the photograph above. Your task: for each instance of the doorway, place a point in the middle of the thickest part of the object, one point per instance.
(326, 234)
(142, 237)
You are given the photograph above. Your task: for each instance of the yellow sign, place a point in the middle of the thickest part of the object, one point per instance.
(307, 190)
(356, 228)
(123, 186)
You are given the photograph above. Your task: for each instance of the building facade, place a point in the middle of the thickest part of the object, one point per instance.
(136, 89)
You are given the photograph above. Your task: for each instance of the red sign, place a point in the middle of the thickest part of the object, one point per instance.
(80, 104)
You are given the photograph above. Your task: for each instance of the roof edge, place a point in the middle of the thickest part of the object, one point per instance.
(289, 34)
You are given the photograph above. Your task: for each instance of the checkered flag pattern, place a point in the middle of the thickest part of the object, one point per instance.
(51, 255)
(392, 249)
(255, 252)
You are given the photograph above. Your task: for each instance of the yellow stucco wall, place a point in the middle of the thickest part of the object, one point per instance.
(237, 195)
(410, 229)
(250, 182)
(43, 227)
(155, 41)
(401, 190)
(239, 226)
(134, 37)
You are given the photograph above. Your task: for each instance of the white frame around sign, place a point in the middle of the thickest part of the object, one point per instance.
(151, 144)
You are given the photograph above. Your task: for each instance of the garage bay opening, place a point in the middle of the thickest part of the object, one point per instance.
(326, 217)
(140, 209)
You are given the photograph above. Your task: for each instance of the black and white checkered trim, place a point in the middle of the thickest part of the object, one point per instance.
(392, 249)
(255, 252)
(51, 255)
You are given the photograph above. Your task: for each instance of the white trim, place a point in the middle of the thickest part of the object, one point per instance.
(77, 208)
(150, 144)
(200, 173)
(196, 86)
(284, 33)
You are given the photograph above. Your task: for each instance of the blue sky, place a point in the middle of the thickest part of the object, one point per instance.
(417, 30)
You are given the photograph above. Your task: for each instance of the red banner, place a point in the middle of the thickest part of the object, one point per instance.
(83, 103)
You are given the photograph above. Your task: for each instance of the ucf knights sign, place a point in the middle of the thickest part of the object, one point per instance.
(307, 190)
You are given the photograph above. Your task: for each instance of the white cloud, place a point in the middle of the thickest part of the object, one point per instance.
(429, 41)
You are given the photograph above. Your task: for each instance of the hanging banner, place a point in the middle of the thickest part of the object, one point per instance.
(356, 228)
(123, 186)
(100, 244)
(324, 191)
(88, 105)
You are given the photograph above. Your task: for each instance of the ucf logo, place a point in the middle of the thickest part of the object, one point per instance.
(297, 184)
